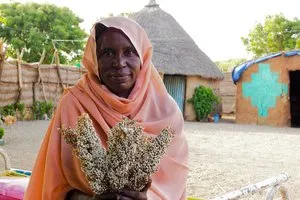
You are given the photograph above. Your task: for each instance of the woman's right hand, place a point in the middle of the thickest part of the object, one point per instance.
(125, 194)
(78, 195)
(121, 195)
(111, 196)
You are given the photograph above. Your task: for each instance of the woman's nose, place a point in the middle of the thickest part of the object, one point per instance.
(119, 61)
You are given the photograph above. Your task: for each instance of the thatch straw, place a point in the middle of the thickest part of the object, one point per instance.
(175, 52)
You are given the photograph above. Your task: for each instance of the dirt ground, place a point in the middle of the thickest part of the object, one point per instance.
(223, 156)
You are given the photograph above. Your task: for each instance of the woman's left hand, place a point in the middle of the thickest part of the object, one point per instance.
(134, 195)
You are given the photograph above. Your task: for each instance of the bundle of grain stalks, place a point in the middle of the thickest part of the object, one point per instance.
(129, 160)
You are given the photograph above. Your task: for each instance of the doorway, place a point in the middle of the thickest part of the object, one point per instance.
(175, 86)
(295, 98)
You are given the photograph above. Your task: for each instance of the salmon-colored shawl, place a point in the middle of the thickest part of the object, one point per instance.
(57, 171)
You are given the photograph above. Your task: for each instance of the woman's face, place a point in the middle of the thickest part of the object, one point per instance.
(118, 62)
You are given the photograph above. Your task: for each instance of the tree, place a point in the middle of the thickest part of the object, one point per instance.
(228, 65)
(2, 20)
(276, 34)
(34, 26)
(122, 14)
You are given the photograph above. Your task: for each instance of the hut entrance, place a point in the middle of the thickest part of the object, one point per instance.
(175, 86)
(295, 98)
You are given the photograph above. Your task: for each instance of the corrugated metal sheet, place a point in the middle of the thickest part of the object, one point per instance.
(176, 87)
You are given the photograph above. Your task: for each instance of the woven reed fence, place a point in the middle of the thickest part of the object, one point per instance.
(29, 82)
(228, 94)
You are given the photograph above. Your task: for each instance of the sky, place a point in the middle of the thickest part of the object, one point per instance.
(215, 25)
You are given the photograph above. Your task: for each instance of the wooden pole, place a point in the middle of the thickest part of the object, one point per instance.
(40, 74)
(40, 79)
(2, 57)
(1, 67)
(19, 71)
(58, 68)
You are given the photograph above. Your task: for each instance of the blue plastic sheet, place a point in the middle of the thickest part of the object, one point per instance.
(238, 70)
(292, 53)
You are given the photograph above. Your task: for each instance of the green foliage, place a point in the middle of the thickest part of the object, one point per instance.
(49, 108)
(228, 65)
(33, 26)
(20, 107)
(2, 19)
(1, 132)
(39, 109)
(276, 34)
(203, 101)
(12, 108)
(8, 110)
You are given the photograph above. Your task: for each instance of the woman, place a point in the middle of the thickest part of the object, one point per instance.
(121, 81)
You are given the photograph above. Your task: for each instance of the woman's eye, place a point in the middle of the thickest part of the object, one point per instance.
(129, 52)
(107, 52)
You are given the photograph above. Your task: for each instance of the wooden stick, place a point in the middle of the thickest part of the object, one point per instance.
(19, 71)
(40, 80)
(57, 67)
(2, 59)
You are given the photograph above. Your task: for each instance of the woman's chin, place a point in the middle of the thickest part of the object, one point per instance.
(121, 89)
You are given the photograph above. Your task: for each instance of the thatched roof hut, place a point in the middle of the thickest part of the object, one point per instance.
(175, 52)
(183, 65)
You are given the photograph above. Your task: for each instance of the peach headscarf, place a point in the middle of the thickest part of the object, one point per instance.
(57, 171)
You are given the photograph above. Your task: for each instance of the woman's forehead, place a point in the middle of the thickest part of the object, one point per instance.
(113, 37)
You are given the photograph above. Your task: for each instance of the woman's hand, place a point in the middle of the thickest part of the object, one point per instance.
(120, 195)
(134, 195)
(78, 195)
(130, 195)
(110, 196)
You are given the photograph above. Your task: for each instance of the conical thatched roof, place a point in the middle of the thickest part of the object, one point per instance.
(175, 52)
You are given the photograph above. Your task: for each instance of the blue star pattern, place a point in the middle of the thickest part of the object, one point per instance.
(264, 89)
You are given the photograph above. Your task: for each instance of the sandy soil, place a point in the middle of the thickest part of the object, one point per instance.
(226, 157)
(223, 156)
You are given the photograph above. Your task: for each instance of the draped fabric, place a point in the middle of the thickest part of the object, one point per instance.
(57, 170)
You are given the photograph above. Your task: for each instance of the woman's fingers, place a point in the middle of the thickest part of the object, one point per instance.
(120, 197)
(125, 194)
(134, 194)
(106, 196)
(142, 195)
(147, 186)
(111, 196)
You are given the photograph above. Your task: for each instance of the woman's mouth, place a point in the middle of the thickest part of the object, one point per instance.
(120, 78)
